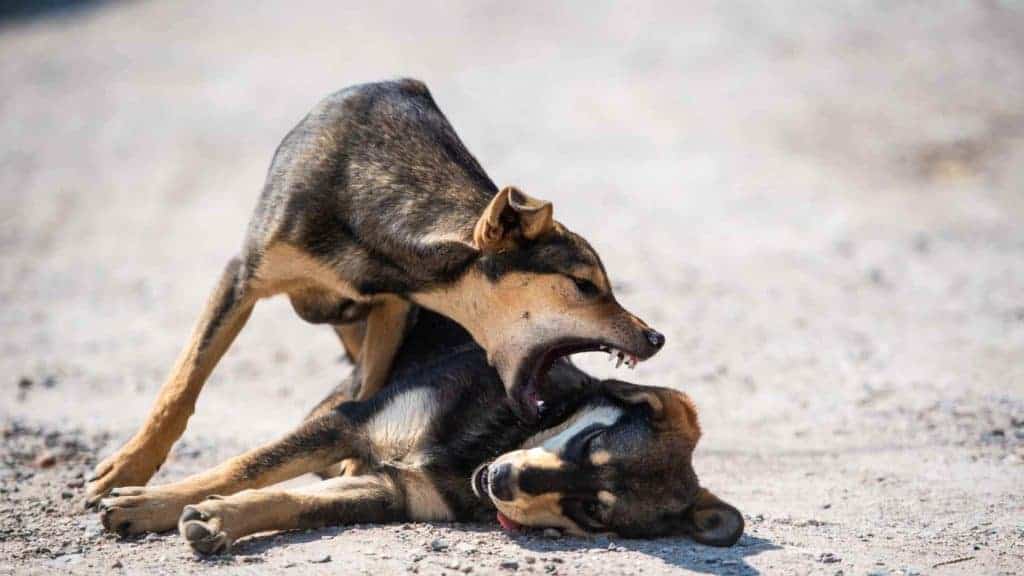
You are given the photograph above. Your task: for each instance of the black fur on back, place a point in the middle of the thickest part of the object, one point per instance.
(366, 181)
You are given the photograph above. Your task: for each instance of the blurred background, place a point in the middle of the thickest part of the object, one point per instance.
(820, 204)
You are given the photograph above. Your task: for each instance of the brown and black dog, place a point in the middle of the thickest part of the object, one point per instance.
(442, 443)
(373, 204)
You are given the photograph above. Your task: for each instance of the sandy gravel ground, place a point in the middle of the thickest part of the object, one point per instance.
(821, 207)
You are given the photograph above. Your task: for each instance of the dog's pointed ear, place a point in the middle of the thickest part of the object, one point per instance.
(713, 521)
(512, 215)
(635, 394)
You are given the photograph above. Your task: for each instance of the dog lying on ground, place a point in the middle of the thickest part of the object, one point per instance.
(442, 443)
(372, 204)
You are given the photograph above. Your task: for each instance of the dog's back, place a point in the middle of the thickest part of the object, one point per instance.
(375, 165)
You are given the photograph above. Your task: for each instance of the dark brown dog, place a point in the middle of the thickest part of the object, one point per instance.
(372, 204)
(442, 443)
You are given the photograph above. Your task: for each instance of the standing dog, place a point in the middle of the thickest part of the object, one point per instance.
(442, 443)
(372, 203)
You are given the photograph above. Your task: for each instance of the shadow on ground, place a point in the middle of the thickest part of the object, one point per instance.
(677, 552)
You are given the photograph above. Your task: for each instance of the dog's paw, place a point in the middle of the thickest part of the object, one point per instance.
(137, 510)
(123, 468)
(202, 527)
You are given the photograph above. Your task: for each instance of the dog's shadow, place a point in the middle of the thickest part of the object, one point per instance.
(679, 552)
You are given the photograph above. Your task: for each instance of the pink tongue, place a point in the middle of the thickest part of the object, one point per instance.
(508, 523)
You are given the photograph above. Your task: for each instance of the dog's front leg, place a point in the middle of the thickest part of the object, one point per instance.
(316, 444)
(226, 312)
(214, 525)
(385, 329)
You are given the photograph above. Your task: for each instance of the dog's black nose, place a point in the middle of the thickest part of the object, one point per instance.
(500, 482)
(657, 339)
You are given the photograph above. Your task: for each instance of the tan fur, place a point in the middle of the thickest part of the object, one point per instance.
(287, 268)
(385, 328)
(600, 458)
(155, 509)
(141, 456)
(221, 522)
(535, 307)
(423, 502)
(544, 510)
(533, 218)
(352, 337)
(283, 269)
(607, 498)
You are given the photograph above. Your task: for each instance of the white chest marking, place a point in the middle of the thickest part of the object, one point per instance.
(398, 428)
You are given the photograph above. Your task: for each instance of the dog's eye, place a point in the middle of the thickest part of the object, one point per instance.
(585, 287)
(589, 444)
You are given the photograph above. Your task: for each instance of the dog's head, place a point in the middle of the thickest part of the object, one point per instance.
(621, 464)
(538, 292)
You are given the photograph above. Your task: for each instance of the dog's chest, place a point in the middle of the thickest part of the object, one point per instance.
(398, 435)
(398, 431)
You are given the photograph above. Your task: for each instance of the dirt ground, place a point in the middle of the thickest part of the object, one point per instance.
(820, 206)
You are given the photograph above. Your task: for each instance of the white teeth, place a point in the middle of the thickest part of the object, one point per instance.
(621, 357)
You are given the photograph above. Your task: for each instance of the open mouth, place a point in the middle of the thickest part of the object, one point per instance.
(481, 482)
(533, 384)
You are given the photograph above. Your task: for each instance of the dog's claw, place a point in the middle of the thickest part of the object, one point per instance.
(200, 535)
(191, 513)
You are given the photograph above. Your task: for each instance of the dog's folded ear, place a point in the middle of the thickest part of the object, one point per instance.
(635, 394)
(510, 217)
(712, 521)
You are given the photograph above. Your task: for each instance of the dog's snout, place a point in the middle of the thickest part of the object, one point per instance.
(500, 480)
(657, 339)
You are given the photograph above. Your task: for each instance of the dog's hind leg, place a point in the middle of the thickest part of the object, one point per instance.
(313, 446)
(343, 392)
(351, 336)
(226, 312)
(213, 525)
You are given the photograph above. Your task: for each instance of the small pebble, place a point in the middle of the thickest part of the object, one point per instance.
(438, 545)
(321, 559)
(828, 558)
(552, 533)
(509, 565)
(45, 459)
